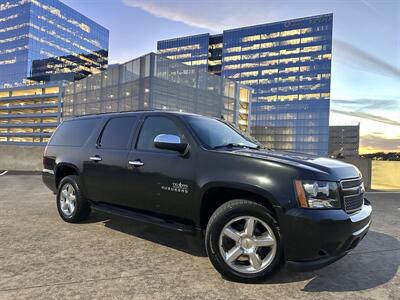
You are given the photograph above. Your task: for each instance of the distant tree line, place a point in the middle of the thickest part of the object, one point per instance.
(382, 156)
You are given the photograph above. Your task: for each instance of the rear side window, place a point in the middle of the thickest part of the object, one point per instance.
(117, 133)
(74, 133)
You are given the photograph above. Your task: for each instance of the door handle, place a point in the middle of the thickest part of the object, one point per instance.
(95, 158)
(135, 163)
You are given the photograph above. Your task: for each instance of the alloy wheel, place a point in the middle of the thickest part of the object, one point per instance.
(68, 199)
(247, 244)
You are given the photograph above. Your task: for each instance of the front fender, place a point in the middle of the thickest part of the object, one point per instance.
(242, 187)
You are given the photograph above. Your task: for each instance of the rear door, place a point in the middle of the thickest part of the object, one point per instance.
(106, 170)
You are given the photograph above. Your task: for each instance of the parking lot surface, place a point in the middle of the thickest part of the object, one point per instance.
(42, 257)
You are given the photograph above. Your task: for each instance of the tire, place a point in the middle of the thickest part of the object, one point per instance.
(81, 208)
(260, 253)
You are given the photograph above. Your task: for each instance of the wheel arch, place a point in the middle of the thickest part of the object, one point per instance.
(213, 195)
(65, 169)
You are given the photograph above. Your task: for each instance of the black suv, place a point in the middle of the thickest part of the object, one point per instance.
(254, 207)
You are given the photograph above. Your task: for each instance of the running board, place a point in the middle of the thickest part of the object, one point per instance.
(141, 217)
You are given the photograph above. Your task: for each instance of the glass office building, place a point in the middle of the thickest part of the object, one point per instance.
(30, 114)
(191, 50)
(155, 82)
(45, 40)
(288, 65)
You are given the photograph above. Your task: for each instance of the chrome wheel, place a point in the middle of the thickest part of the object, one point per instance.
(68, 199)
(247, 244)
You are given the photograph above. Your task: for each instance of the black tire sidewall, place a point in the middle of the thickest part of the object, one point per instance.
(215, 227)
(82, 209)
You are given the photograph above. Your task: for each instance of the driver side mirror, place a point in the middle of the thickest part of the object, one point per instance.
(170, 142)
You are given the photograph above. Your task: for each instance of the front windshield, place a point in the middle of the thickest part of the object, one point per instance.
(214, 133)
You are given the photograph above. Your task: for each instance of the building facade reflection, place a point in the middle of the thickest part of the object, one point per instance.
(288, 65)
(45, 40)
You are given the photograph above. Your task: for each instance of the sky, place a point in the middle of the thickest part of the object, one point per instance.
(365, 83)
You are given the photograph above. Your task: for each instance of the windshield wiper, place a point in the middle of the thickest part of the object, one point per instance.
(232, 145)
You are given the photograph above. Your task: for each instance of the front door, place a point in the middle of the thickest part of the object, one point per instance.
(162, 179)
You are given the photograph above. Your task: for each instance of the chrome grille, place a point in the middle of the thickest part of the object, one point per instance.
(353, 194)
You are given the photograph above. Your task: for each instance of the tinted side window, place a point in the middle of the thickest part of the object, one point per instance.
(154, 126)
(117, 132)
(73, 133)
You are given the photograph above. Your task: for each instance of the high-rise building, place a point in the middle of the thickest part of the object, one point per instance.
(45, 40)
(344, 141)
(190, 50)
(288, 65)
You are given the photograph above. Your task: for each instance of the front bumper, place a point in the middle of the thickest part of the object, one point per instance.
(313, 239)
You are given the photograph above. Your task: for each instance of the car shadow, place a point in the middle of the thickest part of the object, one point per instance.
(173, 239)
(374, 262)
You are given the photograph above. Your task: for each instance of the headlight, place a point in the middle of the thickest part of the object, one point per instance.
(317, 194)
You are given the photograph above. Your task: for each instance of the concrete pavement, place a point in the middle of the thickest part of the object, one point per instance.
(42, 257)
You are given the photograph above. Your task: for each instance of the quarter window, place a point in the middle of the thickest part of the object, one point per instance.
(117, 132)
(74, 133)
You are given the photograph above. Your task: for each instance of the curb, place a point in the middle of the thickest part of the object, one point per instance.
(3, 173)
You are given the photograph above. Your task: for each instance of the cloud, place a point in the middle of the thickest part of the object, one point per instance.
(367, 109)
(171, 12)
(376, 141)
(365, 103)
(372, 8)
(214, 16)
(354, 57)
(367, 116)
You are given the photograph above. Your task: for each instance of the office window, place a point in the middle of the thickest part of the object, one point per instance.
(269, 62)
(290, 42)
(311, 39)
(269, 45)
(249, 65)
(232, 67)
(269, 54)
(251, 47)
(309, 96)
(232, 58)
(269, 71)
(290, 32)
(305, 68)
(327, 56)
(289, 70)
(249, 82)
(233, 49)
(270, 35)
(251, 38)
(249, 74)
(306, 30)
(199, 62)
(289, 60)
(305, 58)
(311, 49)
(250, 56)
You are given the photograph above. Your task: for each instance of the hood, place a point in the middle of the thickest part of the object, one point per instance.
(332, 168)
